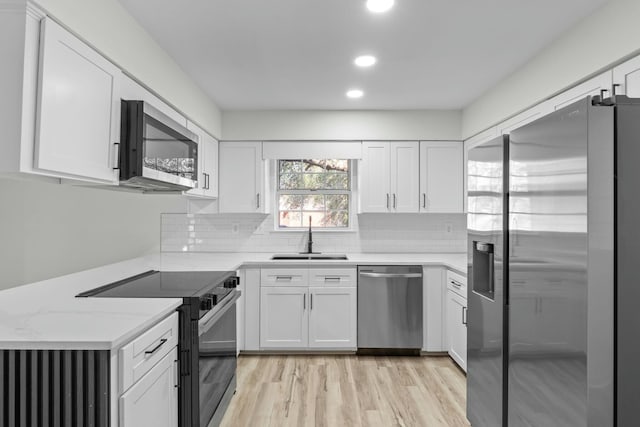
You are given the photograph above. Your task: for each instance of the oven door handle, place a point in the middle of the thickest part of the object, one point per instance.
(213, 316)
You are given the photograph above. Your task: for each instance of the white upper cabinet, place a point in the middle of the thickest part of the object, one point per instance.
(405, 171)
(374, 177)
(207, 164)
(389, 177)
(242, 178)
(627, 76)
(592, 86)
(525, 117)
(441, 176)
(78, 112)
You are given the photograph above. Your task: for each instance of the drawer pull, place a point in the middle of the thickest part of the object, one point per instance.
(156, 348)
(287, 278)
(456, 284)
(332, 279)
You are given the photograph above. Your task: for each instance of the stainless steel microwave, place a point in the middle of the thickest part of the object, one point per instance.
(156, 152)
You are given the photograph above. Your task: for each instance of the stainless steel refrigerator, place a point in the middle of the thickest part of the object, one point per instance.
(552, 233)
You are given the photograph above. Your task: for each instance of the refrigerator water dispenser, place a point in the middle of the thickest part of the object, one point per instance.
(483, 282)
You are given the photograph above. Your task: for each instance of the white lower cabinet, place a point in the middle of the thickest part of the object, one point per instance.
(153, 401)
(332, 319)
(457, 328)
(297, 316)
(284, 317)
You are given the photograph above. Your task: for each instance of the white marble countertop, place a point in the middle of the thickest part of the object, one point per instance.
(176, 261)
(47, 315)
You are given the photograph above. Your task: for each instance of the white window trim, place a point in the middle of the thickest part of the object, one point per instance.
(273, 187)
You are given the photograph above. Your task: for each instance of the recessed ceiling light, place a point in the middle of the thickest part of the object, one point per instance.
(365, 61)
(355, 93)
(379, 6)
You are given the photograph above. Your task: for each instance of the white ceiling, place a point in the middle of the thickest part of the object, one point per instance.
(298, 54)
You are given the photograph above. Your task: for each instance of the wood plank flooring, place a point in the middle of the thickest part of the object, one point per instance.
(347, 390)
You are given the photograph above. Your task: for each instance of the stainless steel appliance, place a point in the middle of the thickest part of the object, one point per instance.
(156, 152)
(207, 341)
(552, 257)
(389, 308)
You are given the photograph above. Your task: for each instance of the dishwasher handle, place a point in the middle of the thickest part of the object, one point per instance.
(392, 275)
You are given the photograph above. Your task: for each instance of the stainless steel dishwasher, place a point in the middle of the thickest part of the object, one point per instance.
(389, 309)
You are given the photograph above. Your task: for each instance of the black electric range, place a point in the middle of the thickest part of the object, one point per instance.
(207, 339)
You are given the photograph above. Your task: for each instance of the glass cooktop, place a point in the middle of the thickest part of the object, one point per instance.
(163, 284)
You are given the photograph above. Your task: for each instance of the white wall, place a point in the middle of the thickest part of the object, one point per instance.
(606, 37)
(47, 230)
(107, 26)
(342, 125)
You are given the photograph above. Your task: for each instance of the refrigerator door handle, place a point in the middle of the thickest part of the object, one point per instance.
(492, 284)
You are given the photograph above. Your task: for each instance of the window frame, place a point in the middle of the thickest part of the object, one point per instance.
(277, 192)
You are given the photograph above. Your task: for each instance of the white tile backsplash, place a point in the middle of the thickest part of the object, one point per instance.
(403, 233)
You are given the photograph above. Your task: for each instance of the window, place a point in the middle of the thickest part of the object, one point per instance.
(316, 189)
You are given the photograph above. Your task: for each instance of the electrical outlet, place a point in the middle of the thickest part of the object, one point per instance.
(235, 228)
(448, 228)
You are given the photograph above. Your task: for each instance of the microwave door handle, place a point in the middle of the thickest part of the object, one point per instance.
(116, 156)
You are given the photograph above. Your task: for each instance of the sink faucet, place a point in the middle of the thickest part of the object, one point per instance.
(310, 240)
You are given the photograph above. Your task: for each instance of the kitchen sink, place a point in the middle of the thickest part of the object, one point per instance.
(310, 256)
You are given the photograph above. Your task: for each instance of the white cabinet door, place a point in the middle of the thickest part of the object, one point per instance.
(627, 75)
(405, 164)
(241, 178)
(525, 117)
(433, 315)
(284, 317)
(250, 286)
(332, 317)
(153, 401)
(207, 164)
(457, 328)
(374, 177)
(441, 175)
(78, 118)
(590, 87)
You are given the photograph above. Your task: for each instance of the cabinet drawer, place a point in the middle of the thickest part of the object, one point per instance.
(332, 277)
(457, 283)
(144, 352)
(284, 276)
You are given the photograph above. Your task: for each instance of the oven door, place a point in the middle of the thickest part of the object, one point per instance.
(217, 360)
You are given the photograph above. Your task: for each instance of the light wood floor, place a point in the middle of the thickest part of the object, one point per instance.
(347, 391)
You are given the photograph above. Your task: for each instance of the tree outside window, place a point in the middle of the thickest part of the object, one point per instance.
(316, 188)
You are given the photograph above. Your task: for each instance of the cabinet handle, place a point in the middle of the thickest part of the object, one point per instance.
(424, 200)
(311, 296)
(464, 315)
(304, 302)
(387, 200)
(156, 348)
(177, 376)
(258, 201)
(395, 201)
(117, 156)
(206, 181)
